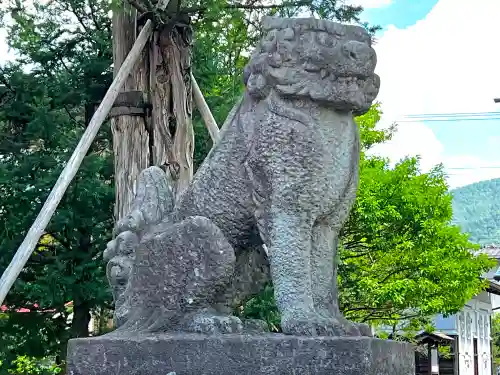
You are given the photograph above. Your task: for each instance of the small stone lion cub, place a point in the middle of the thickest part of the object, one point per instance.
(268, 202)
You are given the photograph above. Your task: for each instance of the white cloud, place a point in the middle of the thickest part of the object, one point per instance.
(410, 140)
(447, 62)
(467, 169)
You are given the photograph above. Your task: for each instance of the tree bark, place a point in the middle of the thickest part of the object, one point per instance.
(130, 133)
(167, 137)
(172, 102)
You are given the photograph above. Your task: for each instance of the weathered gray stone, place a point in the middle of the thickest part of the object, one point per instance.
(271, 196)
(191, 354)
(267, 204)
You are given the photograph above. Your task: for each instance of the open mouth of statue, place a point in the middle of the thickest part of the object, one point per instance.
(325, 73)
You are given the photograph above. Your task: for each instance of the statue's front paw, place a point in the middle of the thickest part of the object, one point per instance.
(300, 323)
(120, 255)
(212, 323)
(255, 326)
(118, 271)
(340, 326)
(317, 325)
(364, 329)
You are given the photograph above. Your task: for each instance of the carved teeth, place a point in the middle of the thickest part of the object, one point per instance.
(323, 73)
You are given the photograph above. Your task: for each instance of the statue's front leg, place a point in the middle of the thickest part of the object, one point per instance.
(324, 273)
(324, 261)
(290, 260)
(324, 283)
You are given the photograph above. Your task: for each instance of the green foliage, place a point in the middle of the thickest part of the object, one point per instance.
(263, 307)
(400, 256)
(495, 338)
(44, 112)
(33, 366)
(35, 334)
(477, 211)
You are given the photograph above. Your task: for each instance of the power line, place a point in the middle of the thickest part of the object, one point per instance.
(459, 168)
(447, 119)
(453, 114)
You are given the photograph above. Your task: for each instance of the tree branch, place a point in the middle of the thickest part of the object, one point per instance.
(394, 272)
(248, 6)
(70, 8)
(141, 8)
(404, 317)
(93, 13)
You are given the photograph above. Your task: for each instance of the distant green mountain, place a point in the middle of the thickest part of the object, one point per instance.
(476, 209)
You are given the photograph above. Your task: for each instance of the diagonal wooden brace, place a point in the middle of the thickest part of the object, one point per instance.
(37, 229)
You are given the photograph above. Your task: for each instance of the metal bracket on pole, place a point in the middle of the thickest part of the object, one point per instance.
(130, 103)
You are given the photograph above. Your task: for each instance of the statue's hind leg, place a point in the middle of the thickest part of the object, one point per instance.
(178, 269)
(152, 203)
(250, 277)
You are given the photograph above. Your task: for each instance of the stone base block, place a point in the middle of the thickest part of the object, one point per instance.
(191, 354)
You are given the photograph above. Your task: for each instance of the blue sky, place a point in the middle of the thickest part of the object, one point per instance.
(400, 13)
(439, 56)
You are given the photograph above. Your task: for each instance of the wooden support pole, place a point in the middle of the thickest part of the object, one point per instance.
(37, 229)
(205, 113)
(131, 135)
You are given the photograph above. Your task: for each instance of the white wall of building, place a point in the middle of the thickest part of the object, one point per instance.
(495, 301)
(473, 322)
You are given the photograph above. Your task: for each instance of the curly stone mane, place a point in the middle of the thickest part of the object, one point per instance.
(324, 61)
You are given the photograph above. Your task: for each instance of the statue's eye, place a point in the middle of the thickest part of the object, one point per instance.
(325, 39)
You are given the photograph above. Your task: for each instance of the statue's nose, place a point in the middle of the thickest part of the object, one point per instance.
(361, 53)
(358, 51)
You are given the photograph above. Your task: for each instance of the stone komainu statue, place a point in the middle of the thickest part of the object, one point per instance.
(268, 202)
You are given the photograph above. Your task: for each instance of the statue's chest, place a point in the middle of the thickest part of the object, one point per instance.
(337, 161)
(338, 142)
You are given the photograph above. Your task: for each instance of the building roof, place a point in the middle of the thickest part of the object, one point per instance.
(433, 337)
(494, 287)
(493, 275)
(493, 251)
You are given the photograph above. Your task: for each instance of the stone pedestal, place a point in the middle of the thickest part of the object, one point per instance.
(191, 354)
